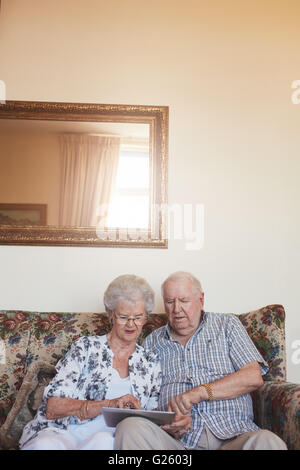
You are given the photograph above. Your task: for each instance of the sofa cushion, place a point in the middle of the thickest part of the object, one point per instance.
(276, 407)
(266, 328)
(28, 400)
(14, 338)
(53, 333)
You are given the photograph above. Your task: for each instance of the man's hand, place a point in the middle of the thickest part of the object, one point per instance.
(126, 401)
(182, 404)
(179, 427)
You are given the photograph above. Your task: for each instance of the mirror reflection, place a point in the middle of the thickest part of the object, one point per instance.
(74, 174)
(83, 174)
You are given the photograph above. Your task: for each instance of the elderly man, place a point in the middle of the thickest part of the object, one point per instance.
(209, 366)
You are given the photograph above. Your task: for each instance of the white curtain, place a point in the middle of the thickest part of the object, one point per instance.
(88, 172)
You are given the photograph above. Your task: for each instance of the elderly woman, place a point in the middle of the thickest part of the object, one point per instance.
(99, 371)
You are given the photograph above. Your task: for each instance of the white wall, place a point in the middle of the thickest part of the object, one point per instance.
(225, 69)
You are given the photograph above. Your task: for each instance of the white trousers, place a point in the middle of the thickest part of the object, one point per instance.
(59, 439)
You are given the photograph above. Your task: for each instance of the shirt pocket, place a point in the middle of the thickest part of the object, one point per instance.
(174, 382)
(214, 359)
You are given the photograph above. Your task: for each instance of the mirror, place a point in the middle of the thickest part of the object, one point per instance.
(80, 174)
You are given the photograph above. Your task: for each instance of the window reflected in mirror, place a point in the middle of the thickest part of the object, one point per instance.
(130, 200)
(99, 176)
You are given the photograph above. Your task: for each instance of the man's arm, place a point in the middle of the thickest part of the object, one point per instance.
(244, 381)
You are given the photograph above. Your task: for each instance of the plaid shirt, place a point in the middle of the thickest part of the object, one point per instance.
(219, 347)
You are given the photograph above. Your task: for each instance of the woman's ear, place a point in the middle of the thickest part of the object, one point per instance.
(110, 316)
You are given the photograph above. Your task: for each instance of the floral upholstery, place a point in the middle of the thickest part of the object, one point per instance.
(276, 406)
(53, 333)
(26, 404)
(266, 329)
(27, 337)
(14, 338)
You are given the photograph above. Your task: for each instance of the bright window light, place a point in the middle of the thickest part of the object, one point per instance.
(133, 171)
(129, 207)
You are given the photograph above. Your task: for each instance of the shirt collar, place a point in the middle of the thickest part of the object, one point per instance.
(201, 325)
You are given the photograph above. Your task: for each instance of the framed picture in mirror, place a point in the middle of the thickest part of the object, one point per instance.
(23, 214)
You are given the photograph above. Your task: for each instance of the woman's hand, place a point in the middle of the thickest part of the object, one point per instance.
(179, 427)
(126, 401)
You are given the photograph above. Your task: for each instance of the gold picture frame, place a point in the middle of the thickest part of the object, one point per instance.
(23, 214)
(157, 119)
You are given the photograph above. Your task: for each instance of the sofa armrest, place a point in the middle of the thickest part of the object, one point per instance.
(276, 407)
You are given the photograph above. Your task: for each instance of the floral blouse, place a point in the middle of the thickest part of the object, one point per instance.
(85, 374)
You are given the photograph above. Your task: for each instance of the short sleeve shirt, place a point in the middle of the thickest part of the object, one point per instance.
(219, 347)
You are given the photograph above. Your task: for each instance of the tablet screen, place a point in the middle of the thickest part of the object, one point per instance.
(113, 416)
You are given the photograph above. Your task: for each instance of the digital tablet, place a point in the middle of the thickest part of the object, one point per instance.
(113, 416)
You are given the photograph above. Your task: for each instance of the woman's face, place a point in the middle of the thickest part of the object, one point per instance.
(128, 320)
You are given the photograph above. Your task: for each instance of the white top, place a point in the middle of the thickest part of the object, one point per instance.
(117, 388)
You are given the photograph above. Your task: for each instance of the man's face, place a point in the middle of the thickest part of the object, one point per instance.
(183, 306)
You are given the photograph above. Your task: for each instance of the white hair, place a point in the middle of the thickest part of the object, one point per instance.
(183, 276)
(128, 288)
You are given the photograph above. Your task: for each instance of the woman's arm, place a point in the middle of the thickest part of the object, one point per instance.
(64, 407)
(86, 409)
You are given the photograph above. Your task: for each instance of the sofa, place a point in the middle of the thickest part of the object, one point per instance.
(31, 343)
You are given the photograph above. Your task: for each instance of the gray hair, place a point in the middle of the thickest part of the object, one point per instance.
(128, 288)
(183, 276)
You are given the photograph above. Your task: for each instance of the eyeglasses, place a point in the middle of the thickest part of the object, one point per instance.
(123, 319)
